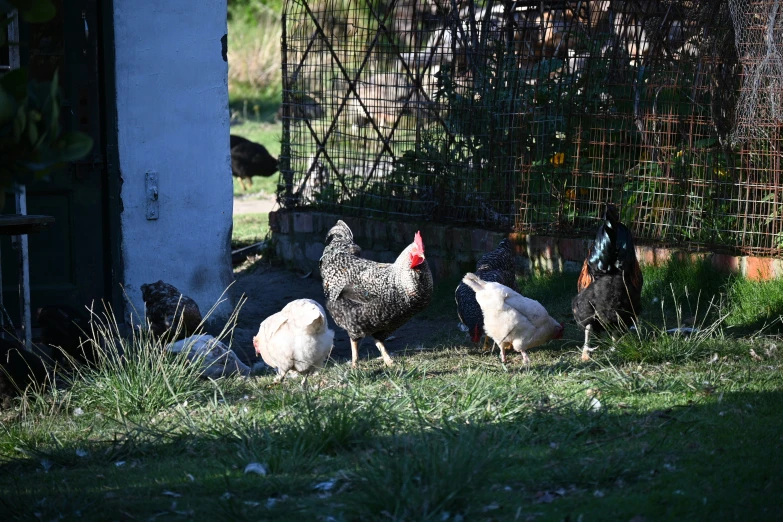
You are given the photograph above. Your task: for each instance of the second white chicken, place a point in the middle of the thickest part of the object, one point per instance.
(296, 338)
(512, 320)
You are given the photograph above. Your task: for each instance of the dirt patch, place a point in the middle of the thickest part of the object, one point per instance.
(269, 289)
(254, 205)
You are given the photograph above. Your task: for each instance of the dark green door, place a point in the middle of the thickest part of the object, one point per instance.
(68, 262)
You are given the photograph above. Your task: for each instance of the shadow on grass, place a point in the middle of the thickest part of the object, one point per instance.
(706, 459)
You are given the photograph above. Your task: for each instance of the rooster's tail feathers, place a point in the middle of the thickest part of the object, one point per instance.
(339, 232)
(473, 281)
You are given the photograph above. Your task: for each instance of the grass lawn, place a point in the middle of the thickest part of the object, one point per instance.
(655, 427)
(249, 229)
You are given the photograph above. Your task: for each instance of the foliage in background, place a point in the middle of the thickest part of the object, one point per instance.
(254, 57)
(32, 142)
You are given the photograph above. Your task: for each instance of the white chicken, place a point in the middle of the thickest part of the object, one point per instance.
(295, 338)
(511, 319)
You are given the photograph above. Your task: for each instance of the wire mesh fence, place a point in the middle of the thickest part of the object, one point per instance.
(530, 115)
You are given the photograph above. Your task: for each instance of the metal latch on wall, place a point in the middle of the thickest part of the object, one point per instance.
(152, 195)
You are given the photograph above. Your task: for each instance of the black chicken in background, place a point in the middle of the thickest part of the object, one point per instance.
(496, 266)
(250, 159)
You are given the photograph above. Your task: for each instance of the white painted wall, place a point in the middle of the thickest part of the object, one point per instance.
(172, 117)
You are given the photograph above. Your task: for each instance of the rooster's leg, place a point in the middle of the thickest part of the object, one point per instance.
(384, 353)
(586, 348)
(280, 376)
(503, 352)
(355, 352)
(486, 346)
(526, 360)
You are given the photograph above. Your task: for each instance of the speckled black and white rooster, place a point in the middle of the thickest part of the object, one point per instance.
(496, 266)
(610, 284)
(369, 298)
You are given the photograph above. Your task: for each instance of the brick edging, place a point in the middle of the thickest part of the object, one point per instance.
(453, 250)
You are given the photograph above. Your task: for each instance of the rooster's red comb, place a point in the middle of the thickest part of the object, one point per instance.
(418, 242)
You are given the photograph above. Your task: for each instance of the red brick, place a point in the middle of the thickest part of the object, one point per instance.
(520, 243)
(303, 222)
(460, 241)
(318, 225)
(725, 263)
(493, 239)
(652, 256)
(541, 246)
(410, 233)
(759, 268)
(378, 232)
(284, 219)
(274, 225)
(434, 236)
(479, 240)
(572, 249)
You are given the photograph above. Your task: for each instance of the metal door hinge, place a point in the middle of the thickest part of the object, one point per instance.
(152, 195)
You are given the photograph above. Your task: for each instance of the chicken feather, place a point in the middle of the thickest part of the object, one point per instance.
(511, 319)
(295, 338)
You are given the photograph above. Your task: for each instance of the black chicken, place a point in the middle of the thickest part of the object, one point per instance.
(166, 307)
(496, 266)
(369, 298)
(610, 284)
(250, 159)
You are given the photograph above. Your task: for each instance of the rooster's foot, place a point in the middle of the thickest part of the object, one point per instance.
(381, 348)
(586, 352)
(503, 347)
(487, 346)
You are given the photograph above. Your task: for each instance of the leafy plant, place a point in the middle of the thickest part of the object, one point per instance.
(32, 141)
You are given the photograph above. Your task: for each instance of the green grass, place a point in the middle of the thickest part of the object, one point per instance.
(249, 229)
(655, 426)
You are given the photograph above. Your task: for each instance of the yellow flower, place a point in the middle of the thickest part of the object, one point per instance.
(558, 159)
(570, 194)
(721, 173)
(679, 154)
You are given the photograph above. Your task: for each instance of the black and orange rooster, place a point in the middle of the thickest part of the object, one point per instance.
(369, 298)
(610, 284)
